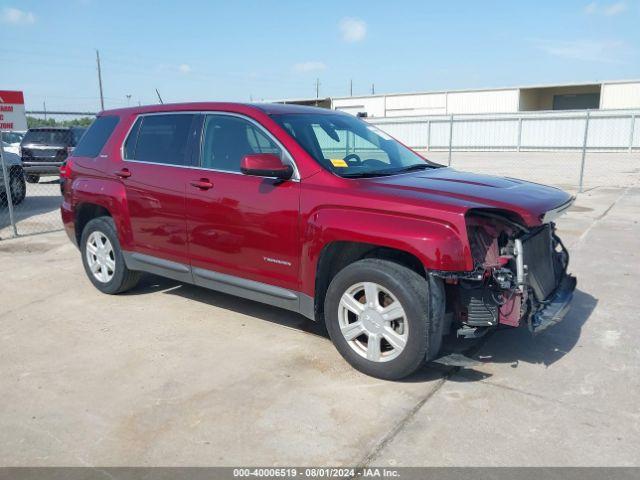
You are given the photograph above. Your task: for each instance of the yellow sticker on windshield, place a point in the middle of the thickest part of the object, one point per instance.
(338, 162)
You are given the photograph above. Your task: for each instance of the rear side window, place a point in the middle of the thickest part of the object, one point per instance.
(160, 139)
(94, 139)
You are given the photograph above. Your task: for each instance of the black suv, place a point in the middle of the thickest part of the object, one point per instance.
(44, 149)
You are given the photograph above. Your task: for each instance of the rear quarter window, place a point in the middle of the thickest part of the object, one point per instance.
(94, 139)
(160, 139)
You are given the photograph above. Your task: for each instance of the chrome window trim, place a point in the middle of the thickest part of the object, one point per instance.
(296, 173)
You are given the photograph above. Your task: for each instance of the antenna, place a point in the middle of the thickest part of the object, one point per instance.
(159, 97)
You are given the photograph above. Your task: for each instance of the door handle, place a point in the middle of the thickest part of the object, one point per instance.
(202, 184)
(123, 173)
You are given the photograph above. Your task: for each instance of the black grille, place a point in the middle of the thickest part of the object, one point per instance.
(542, 266)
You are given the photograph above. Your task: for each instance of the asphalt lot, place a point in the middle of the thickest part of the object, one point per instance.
(172, 374)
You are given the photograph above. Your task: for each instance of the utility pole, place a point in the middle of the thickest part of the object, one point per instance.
(44, 107)
(317, 88)
(373, 89)
(128, 99)
(100, 79)
(351, 88)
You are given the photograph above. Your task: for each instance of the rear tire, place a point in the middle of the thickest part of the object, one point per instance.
(31, 178)
(102, 258)
(403, 315)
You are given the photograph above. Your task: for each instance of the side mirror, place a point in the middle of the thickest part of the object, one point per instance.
(266, 165)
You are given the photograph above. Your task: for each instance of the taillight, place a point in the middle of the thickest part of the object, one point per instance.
(65, 169)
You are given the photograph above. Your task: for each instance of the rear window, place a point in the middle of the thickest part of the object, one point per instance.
(77, 134)
(48, 137)
(160, 139)
(93, 140)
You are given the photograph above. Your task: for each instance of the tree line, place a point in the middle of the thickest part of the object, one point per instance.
(33, 122)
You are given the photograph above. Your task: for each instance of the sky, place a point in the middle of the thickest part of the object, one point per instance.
(240, 50)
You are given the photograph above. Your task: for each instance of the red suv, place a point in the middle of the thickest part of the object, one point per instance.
(318, 212)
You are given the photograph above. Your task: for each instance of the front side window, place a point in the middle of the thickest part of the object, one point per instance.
(159, 139)
(349, 146)
(228, 139)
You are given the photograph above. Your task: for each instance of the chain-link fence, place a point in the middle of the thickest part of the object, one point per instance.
(29, 200)
(572, 150)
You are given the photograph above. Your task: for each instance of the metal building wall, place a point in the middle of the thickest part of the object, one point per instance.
(620, 95)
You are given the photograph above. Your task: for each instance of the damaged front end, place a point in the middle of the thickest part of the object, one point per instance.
(520, 277)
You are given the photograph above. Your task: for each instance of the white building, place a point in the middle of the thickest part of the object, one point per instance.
(611, 95)
(601, 116)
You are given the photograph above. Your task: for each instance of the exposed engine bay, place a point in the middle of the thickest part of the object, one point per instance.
(519, 277)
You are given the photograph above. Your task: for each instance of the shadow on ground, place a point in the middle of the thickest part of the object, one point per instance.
(512, 346)
(151, 283)
(505, 345)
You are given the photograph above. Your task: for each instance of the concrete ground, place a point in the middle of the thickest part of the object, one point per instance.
(172, 374)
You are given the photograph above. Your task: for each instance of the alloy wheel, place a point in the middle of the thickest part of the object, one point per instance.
(373, 322)
(100, 257)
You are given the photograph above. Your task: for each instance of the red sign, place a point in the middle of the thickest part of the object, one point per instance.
(12, 113)
(9, 96)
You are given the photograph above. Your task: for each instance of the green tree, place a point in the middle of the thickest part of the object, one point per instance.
(33, 122)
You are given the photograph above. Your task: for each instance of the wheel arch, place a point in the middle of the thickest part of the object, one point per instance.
(337, 255)
(85, 212)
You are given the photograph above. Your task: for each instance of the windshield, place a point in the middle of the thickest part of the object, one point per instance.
(47, 137)
(350, 147)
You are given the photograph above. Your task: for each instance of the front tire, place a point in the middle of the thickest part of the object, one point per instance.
(383, 318)
(102, 257)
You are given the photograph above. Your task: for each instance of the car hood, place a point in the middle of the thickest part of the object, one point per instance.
(467, 190)
(11, 158)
